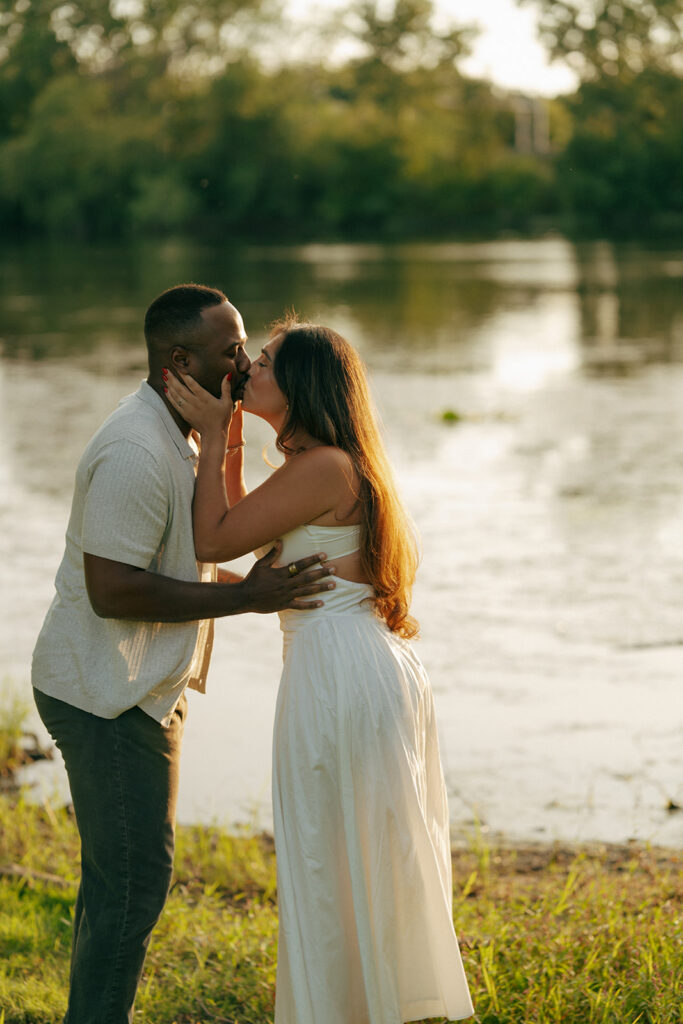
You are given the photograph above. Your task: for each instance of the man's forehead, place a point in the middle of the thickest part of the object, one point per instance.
(240, 322)
(223, 316)
(236, 315)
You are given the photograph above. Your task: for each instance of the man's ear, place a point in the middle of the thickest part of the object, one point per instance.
(180, 359)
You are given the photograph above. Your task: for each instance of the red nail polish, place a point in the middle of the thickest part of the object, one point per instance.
(229, 376)
(165, 391)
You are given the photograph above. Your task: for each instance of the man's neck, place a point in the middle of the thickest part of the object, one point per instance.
(158, 386)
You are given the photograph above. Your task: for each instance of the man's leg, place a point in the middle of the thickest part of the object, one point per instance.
(123, 774)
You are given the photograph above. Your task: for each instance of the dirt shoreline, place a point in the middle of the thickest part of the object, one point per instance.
(534, 856)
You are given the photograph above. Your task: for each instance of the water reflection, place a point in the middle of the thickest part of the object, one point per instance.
(630, 299)
(404, 302)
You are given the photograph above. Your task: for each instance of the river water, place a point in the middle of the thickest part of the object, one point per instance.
(532, 398)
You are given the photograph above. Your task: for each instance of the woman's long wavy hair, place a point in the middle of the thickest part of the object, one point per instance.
(324, 381)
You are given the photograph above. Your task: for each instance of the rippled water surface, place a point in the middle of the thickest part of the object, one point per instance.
(549, 498)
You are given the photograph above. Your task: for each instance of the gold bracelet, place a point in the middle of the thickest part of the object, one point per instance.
(232, 448)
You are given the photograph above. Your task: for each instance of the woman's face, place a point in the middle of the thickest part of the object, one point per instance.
(262, 396)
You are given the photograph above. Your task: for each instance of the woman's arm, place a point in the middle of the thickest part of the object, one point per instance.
(307, 486)
(235, 485)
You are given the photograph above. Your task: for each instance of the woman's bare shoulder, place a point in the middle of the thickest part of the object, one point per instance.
(331, 468)
(327, 457)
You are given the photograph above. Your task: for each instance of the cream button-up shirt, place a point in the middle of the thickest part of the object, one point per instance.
(132, 503)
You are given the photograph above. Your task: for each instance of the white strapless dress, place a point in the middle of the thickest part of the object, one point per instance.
(360, 816)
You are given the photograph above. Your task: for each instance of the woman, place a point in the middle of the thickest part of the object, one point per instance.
(360, 809)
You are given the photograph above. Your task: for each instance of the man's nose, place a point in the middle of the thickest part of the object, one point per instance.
(243, 362)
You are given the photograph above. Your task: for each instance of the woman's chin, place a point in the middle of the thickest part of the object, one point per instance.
(247, 407)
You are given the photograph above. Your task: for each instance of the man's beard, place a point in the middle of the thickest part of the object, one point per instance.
(213, 386)
(238, 391)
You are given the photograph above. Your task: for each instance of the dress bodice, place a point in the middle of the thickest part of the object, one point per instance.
(335, 542)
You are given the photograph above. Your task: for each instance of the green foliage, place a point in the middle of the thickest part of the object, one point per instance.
(620, 171)
(15, 708)
(130, 120)
(612, 38)
(162, 202)
(451, 416)
(31, 55)
(70, 171)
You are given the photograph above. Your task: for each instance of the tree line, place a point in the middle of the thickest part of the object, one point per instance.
(206, 117)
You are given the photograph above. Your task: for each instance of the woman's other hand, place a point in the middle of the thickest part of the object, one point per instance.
(198, 407)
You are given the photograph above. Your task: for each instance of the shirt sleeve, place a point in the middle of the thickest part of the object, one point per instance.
(127, 506)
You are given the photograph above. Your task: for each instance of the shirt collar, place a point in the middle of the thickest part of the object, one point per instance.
(147, 394)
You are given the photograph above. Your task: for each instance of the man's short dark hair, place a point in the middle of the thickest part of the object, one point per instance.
(175, 314)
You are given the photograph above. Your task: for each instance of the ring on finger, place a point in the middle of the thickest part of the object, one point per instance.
(292, 569)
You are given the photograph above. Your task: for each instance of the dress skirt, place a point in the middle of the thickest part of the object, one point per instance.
(361, 831)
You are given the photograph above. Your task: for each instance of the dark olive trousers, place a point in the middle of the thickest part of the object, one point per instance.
(123, 774)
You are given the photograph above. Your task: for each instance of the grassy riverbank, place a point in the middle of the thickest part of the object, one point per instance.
(549, 935)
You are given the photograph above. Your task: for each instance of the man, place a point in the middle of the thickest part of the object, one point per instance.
(128, 631)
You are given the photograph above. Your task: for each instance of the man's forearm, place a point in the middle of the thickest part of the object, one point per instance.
(120, 591)
(117, 591)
